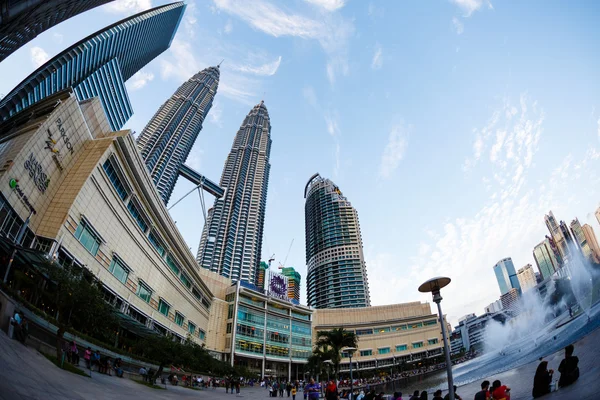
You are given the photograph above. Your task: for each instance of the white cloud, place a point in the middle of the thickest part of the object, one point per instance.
(228, 27)
(330, 30)
(309, 94)
(394, 150)
(215, 114)
(458, 26)
(38, 56)
(128, 6)
(332, 124)
(377, 61)
(470, 6)
(329, 5)
(140, 79)
(267, 69)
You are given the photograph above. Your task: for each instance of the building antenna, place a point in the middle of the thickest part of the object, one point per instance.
(219, 64)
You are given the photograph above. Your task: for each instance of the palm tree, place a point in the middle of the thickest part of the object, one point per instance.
(333, 342)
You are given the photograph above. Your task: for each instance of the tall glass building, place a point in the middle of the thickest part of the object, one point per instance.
(506, 275)
(337, 273)
(21, 21)
(166, 141)
(547, 257)
(293, 282)
(99, 65)
(232, 237)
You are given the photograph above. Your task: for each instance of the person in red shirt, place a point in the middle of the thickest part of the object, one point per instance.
(500, 391)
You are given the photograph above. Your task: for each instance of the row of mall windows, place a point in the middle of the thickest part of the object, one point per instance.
(395, 328)
(400, 347)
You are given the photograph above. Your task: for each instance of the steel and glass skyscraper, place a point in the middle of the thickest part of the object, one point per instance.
(547, 257)
(506, 276)
(166, 141)
(232, 237)
(100, 64)
(21, 21)
(337, 273)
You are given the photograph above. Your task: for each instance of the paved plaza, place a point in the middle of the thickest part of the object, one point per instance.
(26, 374)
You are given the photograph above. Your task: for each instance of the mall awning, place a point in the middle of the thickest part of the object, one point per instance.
(134, 326)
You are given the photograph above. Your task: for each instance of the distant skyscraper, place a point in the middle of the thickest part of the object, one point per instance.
(510, 301)
(337, 273)
(592, 241)
(547, 257)
(579, 239)
(232, 237)
(293, 282)
(558, 235)
(506, 275)
(167, 139)
(598, 215)
(100, 64)
(526, 276)
(21, 21)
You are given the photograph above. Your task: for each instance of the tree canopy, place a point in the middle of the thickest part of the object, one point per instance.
(329, 346)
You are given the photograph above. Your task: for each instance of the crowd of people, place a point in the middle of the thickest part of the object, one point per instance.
(281, 387)
(542, 384)
(93, 359)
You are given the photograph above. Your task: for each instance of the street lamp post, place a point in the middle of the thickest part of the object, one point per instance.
(350, 351)
(329, 363)
(434, 285)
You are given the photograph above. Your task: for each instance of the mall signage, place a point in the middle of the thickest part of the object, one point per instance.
(14, 185)
(277, 286)
(37, 173)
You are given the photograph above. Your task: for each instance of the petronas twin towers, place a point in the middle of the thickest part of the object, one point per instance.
(232, 237)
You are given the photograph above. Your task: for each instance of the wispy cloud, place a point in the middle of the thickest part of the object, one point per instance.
(267, 69)
(375, 12)
(458, 26)
(215, 114)
(140, 79)
(38, 56)
(309, 94)
(228, 27)
(598, 128)
(470, 6)
(330, 29)
(394, 150)
(329, 5)
(58, 37)
(128, 6)
(333, 128)
(377, 61)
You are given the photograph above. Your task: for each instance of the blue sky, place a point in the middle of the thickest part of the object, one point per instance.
(452, 126)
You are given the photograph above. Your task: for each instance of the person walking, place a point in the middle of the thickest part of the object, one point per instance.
(542, 380)
(281, 387)
(568, 368)
(74, 353)
(312, 390)
(294, 392)
(288, 388)
(87, 356)
(226, 386)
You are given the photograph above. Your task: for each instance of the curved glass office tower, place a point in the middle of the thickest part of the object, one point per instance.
(21, 21)
(232, 237)
(99, 65)
(337, 273)
(166, 141)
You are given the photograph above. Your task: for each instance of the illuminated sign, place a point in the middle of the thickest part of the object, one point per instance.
(14, 184)
(37, 173)
(278, 286)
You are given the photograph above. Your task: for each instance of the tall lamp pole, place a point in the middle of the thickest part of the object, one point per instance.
(350, 351)
(433, 286)
(329, 364)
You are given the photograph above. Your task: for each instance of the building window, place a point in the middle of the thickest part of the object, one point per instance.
(157, 243)
(230, 311)
(401, 347)
(119, 269)
(185, 280)
(383, 350)
(201, 334)
(173, 265)
(417, 345)
(383, 330)
(115, 179)
(144, 292)
(191, 328)
(163, 307)
(229, 325)
(432, 341)
(366, 353)
(360, 332)
(136, 213)
(179, 319)
(88, 238)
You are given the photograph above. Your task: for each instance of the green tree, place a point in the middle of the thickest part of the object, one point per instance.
(78, 301)
(332, 342)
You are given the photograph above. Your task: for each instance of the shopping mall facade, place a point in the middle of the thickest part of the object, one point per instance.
(83, 197)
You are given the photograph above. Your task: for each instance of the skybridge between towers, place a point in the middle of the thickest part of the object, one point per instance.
(201, 181)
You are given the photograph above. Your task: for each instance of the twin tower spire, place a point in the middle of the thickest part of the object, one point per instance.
(232, 236)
